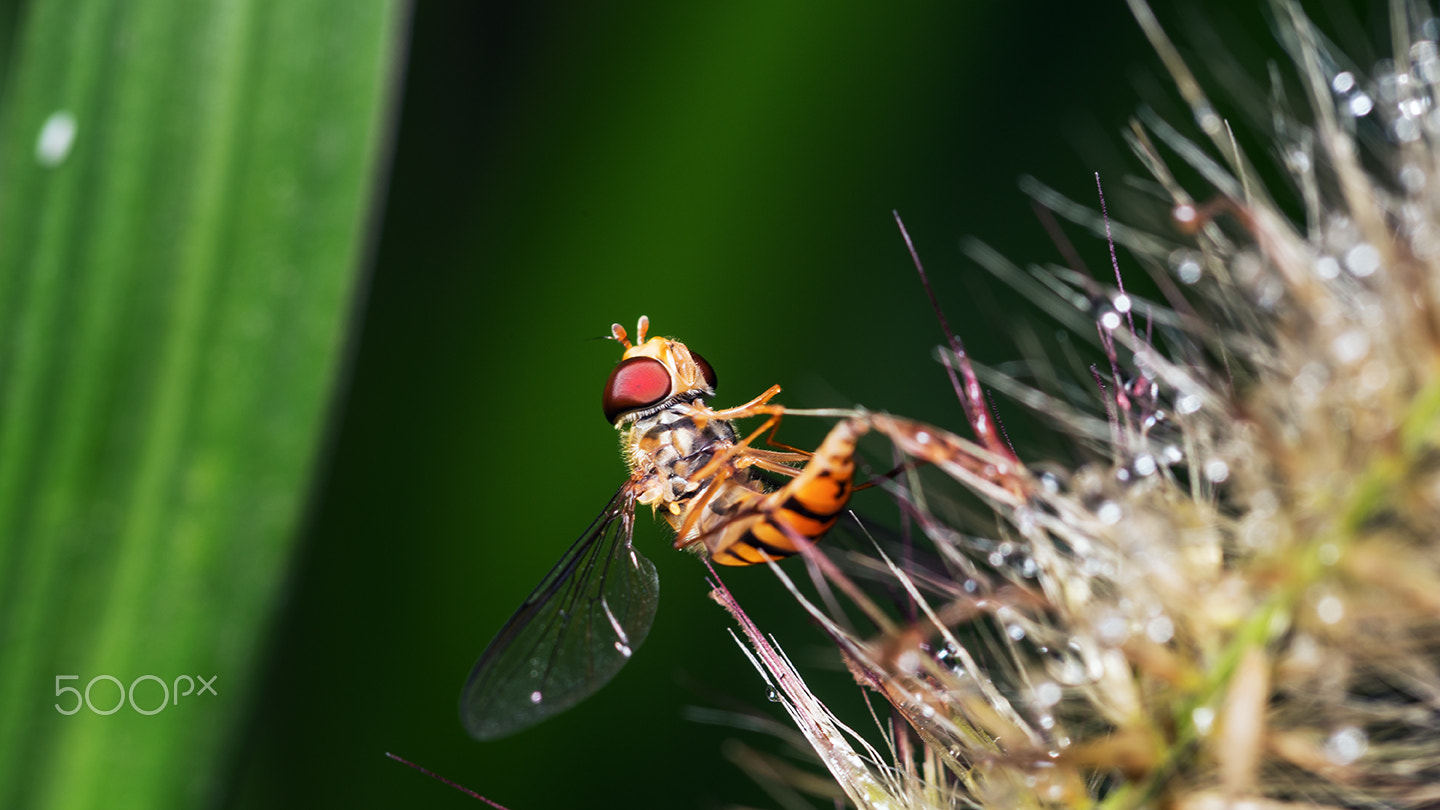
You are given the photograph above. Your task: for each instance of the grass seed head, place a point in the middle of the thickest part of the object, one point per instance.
(1237, 599)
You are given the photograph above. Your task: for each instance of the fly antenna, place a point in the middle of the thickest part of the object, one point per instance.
(617, 332)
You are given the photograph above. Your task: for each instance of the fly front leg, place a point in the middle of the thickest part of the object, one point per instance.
(755, 407)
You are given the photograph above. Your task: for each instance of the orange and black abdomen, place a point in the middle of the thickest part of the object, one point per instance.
(807, 506)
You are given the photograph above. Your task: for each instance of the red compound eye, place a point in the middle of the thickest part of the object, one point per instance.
(706, 371)
(635, 384)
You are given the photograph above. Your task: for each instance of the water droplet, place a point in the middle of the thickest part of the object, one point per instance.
(1359, 105)
(1145, 464)
(1110, 319)
(1187, 265)
(536, 697)
(1109, 513)
(1122, 303)
(1327, 267)
(772, 695)
(1425, 58)
(908, 662)
(1113, 629)
(1330, 609)
(57, 137)
(1015, 632)
(1362, 260)
(1328, 553)
(1207, 120)
(1160, 629)
(1047, 693)
(1346, 745)
(921, 437)
(1216, 470)
(1405, 129)
(1188, 403)
(1343, 82)
(1204, 718)
(1067, 665)
(1350, 346)
(623, 648)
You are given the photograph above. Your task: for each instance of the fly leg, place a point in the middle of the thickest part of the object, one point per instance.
(807, 506)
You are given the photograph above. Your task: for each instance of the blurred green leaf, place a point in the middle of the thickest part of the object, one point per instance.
(185, 190)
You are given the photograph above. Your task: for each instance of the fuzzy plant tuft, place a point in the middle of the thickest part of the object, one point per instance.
(1235, 601)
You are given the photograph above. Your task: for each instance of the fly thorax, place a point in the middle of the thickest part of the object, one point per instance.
(668, 448)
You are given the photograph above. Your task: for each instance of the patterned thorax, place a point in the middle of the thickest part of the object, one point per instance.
(666, 449)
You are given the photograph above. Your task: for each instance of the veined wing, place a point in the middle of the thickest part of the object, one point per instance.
(571, 635)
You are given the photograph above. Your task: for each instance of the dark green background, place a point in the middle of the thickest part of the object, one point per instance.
(729, 170)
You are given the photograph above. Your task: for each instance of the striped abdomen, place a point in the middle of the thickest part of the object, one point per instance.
(806, 507)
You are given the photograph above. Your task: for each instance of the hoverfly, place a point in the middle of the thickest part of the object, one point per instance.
(595, 607)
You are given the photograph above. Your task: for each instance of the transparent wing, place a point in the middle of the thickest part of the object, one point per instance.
(571, 635)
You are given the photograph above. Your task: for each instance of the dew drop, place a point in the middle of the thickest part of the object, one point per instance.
(1327, 267)
(772, 695)
(1113, 629)
(1015, 632)
(1216, 470)
(1122, 303)
(1350, 346)
(1207, 120)
(1346, 745)
(1343, 82)
(1110, 320)
(1405, 129)
(1186, 264)
(1330, 609)
(1328, 554)
(1412, 177)
(1047, 693)
(57, 137)
(623, 648)
(1109, 513)
(908, 662)
(1160, 629)
(1145, 464)
(1188, 403)
(1204, 718)
(536, 697)
(1362, 260)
